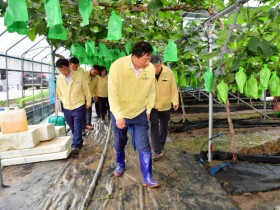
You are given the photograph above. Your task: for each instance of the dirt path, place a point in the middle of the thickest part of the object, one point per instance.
(63, 184)
(185, 183)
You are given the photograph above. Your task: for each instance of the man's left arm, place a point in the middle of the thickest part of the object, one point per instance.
(174, 93)
(86, 90)
(151, 98)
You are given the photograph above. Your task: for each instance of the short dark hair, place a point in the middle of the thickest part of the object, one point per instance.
(74, 60)
(61, 62)
(103, 68)
(156, 59)
(142, 48)
(97, 67)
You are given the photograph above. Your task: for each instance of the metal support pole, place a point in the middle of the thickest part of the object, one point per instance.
(210, 128)
(32, 61)
(53, 60)
(215, 17)
(3, 32)
(49, 83)
(192, 94)
(67, 53)
(214, 100)
(248, 104)
(7, 75)
(53, 73)
(264, 104)
(22, 62)
(209, 29)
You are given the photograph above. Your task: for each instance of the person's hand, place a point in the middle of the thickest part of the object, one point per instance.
(120, 123)
(148, 117)
(88, 106)
(175, 107)
(95, 98)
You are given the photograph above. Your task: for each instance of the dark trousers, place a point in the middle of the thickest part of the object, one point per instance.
(104, 106)
(75, 120)
(88, 115)
(159, 128)
(97, 109)
(138, 127)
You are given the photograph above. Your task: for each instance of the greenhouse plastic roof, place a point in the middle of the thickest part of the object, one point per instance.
(20, 46)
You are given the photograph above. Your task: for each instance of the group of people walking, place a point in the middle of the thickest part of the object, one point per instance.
(140, 89)
(78, 90)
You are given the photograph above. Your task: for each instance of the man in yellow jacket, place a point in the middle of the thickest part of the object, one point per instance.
(74, 65)
(167, 94)
(73, 92)
(93, 87)
(131, 91)
(103, 94)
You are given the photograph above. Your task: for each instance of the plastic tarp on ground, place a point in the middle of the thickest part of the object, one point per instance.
(63, 184)
(243, 177)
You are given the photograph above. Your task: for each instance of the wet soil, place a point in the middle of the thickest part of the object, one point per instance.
(255, 140)
(185, 184)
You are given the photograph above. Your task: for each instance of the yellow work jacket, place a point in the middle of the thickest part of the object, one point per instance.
(80, 69)
(74, 94)
(84, 72)
(93, 85)
(166, 90)
(103, 87)
(130, 95)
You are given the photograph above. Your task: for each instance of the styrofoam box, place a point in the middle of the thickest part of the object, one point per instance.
(58, 144)
(36, 158)
(46, 131)
(60, 131)
(19, 140)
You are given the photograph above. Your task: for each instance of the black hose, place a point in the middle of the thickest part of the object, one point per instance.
(201, 156)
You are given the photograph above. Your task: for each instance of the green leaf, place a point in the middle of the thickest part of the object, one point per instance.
(222, 36)
(268, 49)
(32, 34)
(41, 27)
(208, 56)
(127, 2)
(262, 47)
(154, 6)
(253, 44)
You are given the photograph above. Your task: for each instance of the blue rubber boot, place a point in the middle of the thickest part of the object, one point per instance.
(120, 164)
(146, 168)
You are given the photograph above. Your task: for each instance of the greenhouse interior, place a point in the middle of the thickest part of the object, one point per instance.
(139, 104)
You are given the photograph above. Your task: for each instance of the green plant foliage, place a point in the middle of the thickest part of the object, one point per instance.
(36, 97)
(222, 88)
(261, 47)
(85, 8)
(251, 88)
(265, 74)
(240, 78)
(155, 5)
(3, 103)
(254, 41)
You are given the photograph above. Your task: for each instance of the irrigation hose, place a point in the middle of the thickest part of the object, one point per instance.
(217, 136)
(96, 175)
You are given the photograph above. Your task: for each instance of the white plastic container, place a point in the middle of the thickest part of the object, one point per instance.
(12, 121)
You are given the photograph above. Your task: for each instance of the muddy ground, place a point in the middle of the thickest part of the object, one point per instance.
(185, 184)
(254, 140)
